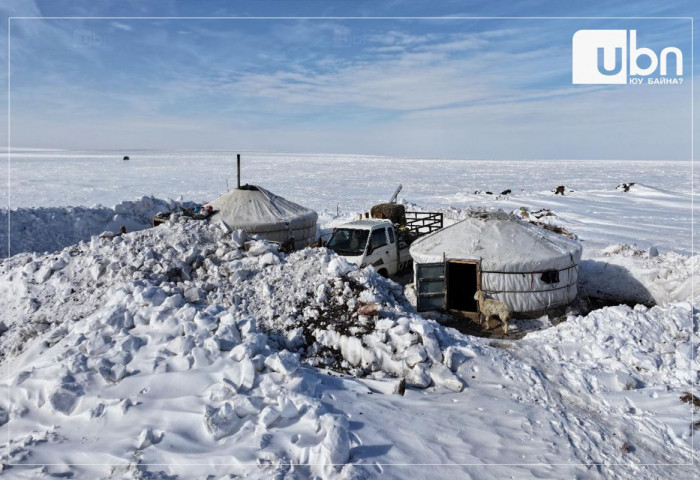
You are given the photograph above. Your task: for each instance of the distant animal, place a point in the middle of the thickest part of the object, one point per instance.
(126, 157)
(493, 308)
(559, 190)
(505, 192)
(625, 187)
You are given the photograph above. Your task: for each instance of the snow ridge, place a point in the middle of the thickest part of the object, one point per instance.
(49, 229)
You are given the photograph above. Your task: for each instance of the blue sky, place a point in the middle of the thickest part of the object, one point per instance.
(421, 87)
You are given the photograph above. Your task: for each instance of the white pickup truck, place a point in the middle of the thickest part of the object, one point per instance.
(381, 243)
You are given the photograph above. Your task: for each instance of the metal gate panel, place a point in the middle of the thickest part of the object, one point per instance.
(430, 286)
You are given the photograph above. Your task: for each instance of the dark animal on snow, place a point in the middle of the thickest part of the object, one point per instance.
(625, 187)
(559, 190)
(505, 192)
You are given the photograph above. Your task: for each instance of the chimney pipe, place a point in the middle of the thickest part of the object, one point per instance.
(238, 161)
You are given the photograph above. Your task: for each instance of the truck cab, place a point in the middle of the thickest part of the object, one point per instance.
(371, 242)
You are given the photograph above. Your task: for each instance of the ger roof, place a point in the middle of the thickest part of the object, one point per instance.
(501, 242)
(255, 208)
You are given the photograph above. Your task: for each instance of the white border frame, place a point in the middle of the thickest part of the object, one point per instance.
(126, 18)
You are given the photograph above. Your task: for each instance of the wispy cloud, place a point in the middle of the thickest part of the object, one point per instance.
(122, 26)
(391, 87)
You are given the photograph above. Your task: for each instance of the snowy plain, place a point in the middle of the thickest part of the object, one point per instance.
(190, 352)
(658, 213)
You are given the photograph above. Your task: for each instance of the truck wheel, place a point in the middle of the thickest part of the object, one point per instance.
(383, 273)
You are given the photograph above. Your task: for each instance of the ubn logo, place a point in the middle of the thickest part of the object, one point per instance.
(606, 57)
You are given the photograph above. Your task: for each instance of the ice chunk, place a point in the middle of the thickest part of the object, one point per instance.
(415, 354)
(191, 255)
(338, 266)
(97, 270)
(384, 324)
(239, 238)
(98, 345)
(247, 326)
(287, 407)
(259, 362)
(244, 406)
(453, 358)
(268, 416)
(222, 421)
(283, 362)
(147, 438)
(257, 248)
(43, 274)
(173, 302)
(432, 347)
(220, 392)
(267, 259)
(242, 373)
(65, 398)
(200, 357)
(182, 345)
(418, 376)
(228, 336)
(336, 443)
(58, 265)
(194, 294)
(443, 377)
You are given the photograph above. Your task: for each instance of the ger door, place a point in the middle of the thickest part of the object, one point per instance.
(430, 286)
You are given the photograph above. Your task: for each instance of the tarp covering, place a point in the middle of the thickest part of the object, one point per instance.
(260, 212)
(512, 255)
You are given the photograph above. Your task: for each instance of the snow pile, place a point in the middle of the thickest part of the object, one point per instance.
(211, 325)
(53, 228)
(172, 379)
(310, 302)
(627, 273)
(625, 348)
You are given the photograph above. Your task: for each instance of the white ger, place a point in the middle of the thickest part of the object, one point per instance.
(528, 268)
(260, 212)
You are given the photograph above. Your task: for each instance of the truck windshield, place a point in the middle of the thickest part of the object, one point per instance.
(348, 241)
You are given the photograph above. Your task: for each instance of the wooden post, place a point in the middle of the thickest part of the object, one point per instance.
(238, 161)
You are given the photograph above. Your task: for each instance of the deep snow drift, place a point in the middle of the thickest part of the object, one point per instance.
(48, 229)
(157, 350)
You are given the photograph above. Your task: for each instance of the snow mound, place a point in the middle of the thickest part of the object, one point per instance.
(191, 319)
(54, 228)
(627, 273)
(638, 346)
(310, 302)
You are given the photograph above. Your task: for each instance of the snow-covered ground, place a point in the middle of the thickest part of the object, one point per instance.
(657, 212)
(187, 351)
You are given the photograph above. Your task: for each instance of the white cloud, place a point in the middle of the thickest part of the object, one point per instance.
(122, 26)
